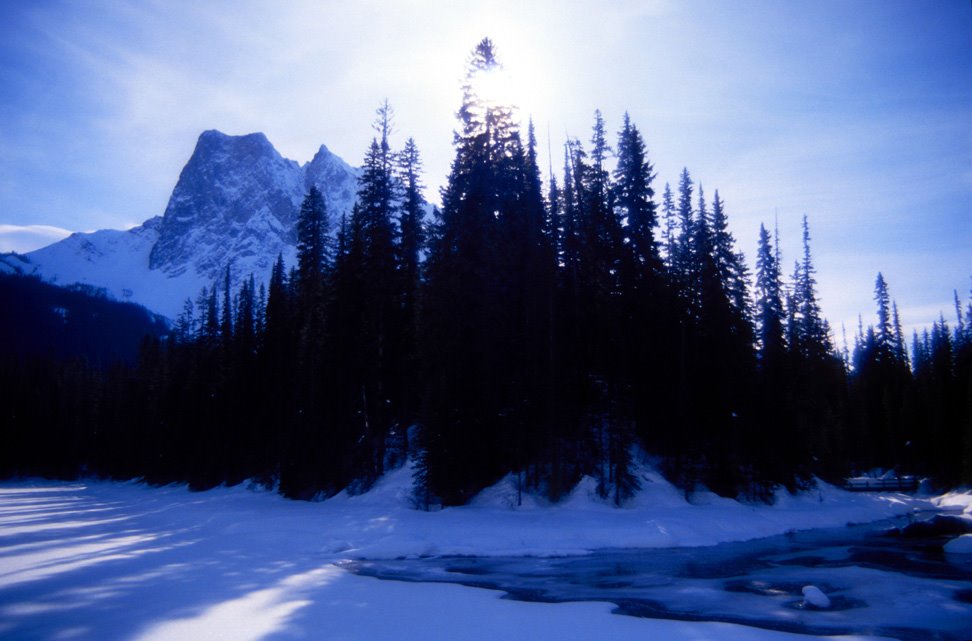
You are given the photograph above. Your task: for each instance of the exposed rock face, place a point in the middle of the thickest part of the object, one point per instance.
(235, 205)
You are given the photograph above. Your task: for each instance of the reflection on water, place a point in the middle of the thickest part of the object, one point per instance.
(879, 583)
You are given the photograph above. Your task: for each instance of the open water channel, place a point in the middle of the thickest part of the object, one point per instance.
(888, 579)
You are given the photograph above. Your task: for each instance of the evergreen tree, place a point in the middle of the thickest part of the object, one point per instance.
(569, 247)
(881, 385)
(303, 470)
(245, 323)
(277, 313)
(960, 325)
(818, 376)
(900, 350)
(596, 182)
(312, 256)
(769, 304)
(226, 322)
(772, 445)
(277, 365)
(211, 318)
(810, 333)
(731, 266)
(371, 310)
(185, 327)
(682, 259)
(669, 234)
(411, 217)
(722, 357)
(413, 239)
(634, 196)
(885, 330)
(467, 318)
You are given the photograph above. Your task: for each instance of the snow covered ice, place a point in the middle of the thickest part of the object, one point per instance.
(960, 545)
(814, 596)
(99, 560)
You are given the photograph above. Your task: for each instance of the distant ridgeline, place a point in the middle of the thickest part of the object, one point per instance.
(77, 322)
(550, 333)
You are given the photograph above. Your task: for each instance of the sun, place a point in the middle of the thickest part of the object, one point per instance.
(521, 78)
(530, 79)
(495, 87)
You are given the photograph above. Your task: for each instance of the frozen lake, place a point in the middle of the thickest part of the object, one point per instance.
(102, 561)
(868, 572)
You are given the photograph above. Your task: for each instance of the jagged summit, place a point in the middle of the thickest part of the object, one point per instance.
(235, 204)
(237, 190)
(330, 174)
(217, 137)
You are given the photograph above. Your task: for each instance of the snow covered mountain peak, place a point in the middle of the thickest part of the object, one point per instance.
(235, 205)
(326, 169)
(235, 198)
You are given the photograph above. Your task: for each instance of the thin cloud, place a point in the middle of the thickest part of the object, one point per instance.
(25, 238)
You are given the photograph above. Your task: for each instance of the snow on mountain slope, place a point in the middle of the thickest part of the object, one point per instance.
(235, 204)
(116, 260)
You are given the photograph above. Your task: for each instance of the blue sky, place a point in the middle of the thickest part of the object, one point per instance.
(858, 114)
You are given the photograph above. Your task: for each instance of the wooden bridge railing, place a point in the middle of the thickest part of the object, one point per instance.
(899, 484)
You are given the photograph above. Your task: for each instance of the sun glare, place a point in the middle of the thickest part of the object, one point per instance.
(525, 78)
(495, 88)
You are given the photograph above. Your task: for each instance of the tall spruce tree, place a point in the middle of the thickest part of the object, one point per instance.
(413, 237)
(682, 259)
(819, 378)
(885, 329)
(226, 318)
(772, 447)
(669, 233)
(733, 273)
(312, 253)
(304, 469)
(211, 316)
(634, 196)
(378, 197)
(277, 358)
(769, 304)
(810, 331)
(469, 320)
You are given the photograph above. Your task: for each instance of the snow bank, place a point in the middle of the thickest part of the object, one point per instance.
(659, 516)
(960, 545)
(383, 522)
(91, 560)
(958, 503)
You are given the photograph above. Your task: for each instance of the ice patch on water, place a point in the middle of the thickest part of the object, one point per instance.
(814, 596)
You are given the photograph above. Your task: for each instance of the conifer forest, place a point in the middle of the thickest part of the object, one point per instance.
(550, 324)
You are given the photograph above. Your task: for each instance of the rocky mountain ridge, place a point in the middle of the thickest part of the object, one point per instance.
(235, 205)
